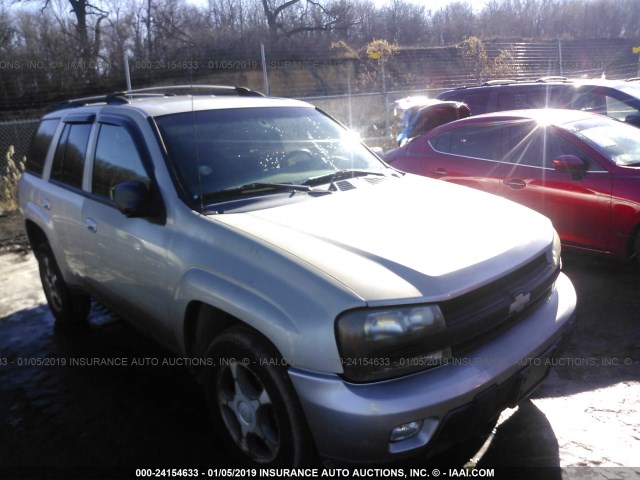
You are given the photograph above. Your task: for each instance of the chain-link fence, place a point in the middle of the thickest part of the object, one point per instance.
(369, 114)
(364, 113)
(15, 136)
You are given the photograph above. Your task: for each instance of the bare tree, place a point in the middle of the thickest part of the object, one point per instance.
(453, 23)
(7, 31)
(87, 33)
(406, 23)
(292, 17)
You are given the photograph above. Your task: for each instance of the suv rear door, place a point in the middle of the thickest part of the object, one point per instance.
(64, 199)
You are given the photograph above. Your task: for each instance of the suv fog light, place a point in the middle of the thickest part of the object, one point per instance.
(406, 430)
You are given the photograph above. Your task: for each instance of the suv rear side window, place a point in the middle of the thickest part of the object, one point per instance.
(535, 146)
(476, 142)
(40, 145)
(117, 160)
(68, 161)
(619, 109)
(477, 102)
(519, 97)
(513, 100)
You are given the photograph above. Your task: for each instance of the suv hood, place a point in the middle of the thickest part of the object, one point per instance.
(405, 239)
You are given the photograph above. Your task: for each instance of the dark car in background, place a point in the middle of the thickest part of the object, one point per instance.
(619, 99)
(580, 169)
(418, 115)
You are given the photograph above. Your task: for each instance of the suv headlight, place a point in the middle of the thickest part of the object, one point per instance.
(377, 344)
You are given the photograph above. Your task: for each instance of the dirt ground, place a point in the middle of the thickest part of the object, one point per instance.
(12, 236)
(62, 420)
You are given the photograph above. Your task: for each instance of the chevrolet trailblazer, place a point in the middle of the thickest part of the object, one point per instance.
(341, 304)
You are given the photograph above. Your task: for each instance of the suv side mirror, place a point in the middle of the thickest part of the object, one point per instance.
(633, 119)
(132, 199)
(571, 164)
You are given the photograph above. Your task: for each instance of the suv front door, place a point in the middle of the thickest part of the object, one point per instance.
(580, 208)
(125, 258)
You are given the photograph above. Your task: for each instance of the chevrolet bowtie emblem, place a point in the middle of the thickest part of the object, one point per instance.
(519, 303)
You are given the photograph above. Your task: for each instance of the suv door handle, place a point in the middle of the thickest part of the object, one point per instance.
(91, 225)
(438, 172)
(515, 183)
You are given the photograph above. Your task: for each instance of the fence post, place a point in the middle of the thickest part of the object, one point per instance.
(265, 75)
(560, 56)
(386, 97)
(127, 74)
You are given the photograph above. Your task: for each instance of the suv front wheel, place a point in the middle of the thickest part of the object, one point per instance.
(252, 400)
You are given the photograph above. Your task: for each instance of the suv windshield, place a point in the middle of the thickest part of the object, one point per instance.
(220, 153)
(617, 141)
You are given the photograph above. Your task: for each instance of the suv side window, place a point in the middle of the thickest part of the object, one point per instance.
(477, 102)
(68, 162)
(534, 146)
(442, 143)
(476, 142)
(557, 146)
(591, 101)
(117, 160)
(523, 144)
(515, 100)
(516, 97)
(619, 109)
(40, 146)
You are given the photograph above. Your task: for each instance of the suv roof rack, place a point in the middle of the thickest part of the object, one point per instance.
(633, 79)
(501, 81)
(552, 78)
(125, 96)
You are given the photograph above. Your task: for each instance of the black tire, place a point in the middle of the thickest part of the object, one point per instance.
(68, 308)
(253, 404)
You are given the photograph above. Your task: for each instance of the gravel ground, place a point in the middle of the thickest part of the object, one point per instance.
(12, 236)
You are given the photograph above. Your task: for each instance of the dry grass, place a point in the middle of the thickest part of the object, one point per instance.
(9, 181)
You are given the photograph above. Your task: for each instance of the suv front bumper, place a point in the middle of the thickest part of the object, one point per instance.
(353, 422)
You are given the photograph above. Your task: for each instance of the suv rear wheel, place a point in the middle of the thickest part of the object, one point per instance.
(69, 309)
(252, 400)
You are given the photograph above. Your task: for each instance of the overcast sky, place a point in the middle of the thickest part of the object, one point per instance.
(429, 4)
(437, 4)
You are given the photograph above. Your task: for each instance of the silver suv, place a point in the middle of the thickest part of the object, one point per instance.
(327, 302)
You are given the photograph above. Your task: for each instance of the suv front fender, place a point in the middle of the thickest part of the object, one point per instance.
(296, 338)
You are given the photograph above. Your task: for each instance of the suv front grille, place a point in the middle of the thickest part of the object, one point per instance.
(478, 316)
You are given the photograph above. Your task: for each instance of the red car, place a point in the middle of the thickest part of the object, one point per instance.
(580, 169)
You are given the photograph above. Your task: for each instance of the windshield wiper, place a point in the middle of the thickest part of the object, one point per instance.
(340, 175)
(257, 187)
